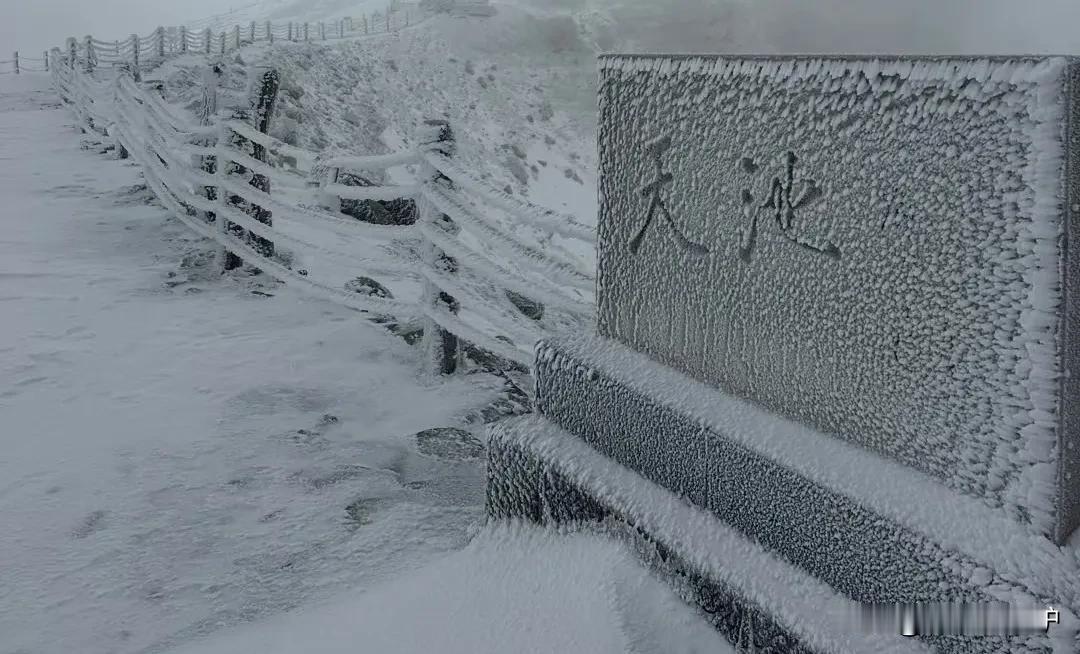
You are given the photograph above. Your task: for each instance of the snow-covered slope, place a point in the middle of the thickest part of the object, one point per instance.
(184, 450)
(513, 589)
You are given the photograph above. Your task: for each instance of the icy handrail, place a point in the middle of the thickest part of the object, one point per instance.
(175, 199)
(492, 259)
(270, 142)
(561, 224)
(374, 162)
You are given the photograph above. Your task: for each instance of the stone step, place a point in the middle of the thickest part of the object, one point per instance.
(869, 529)
(541, 473)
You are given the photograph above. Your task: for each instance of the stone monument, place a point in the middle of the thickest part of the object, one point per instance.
(838, 356)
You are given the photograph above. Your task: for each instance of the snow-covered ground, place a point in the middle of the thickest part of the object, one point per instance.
(183, 451)
(513, 589)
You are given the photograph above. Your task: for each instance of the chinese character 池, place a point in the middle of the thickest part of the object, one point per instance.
(784, 195)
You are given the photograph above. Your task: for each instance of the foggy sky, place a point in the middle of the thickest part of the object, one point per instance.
(36, 25)
(954, 26)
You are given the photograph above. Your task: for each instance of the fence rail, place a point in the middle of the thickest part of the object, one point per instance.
(481, 271)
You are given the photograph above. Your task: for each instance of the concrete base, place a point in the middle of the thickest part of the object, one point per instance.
(749, 540)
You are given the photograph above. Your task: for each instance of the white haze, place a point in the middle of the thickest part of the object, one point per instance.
(819, 26)
(925, 26)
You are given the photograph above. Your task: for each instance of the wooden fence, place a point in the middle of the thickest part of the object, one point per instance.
(479, 271)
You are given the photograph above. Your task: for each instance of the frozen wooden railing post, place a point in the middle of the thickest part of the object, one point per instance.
(307, 37)
(269, 32)
(322, 31)
(290, 31)
(159, 43)
(251, 32)
(259, 114)
(236, 37)
(91, 53)
(73, 53)
(135, 46)
(45, 58)
(183, 40)
(441, 347)
(16, 62)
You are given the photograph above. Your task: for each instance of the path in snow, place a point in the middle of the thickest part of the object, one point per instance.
(166, 467)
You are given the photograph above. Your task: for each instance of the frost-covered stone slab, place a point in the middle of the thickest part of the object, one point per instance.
(760, 601)
(870, 528)
(877, 247)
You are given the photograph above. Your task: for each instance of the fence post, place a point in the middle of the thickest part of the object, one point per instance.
(45, 58)
(269, 32)
(73, 54)
(236, 36)
(306, 36)
(223, 39)
(16, 62)
(322, 31)
(365, 23)
(210, 163)
(161, 44)
(91, 54)
(183, 39)
(261, 111)
(441, 348)
(226, 260)
(252, 31)
(207, 39)
(290, 30)
(387, 21)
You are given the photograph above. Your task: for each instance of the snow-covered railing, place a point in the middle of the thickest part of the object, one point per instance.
(22, 64)
(148, 51)
(409, 237)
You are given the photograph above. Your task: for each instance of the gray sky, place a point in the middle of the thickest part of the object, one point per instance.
(986, 26)
(35, 25)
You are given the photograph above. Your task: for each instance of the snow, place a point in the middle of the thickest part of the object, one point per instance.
(186, 452)
(181, 452)
(515, 588)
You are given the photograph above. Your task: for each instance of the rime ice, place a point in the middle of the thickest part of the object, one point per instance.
(882, 288)
(885, 253)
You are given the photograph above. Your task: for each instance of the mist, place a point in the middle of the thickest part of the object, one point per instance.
(834, 26)
(32, 26)
(767, 26)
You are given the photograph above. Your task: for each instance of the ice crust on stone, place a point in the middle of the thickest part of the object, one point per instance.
(1010, 563)
(910, 299)
(815, 613)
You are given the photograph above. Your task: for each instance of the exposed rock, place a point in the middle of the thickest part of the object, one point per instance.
(449, 443)
(530, 308)
(368, 286)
